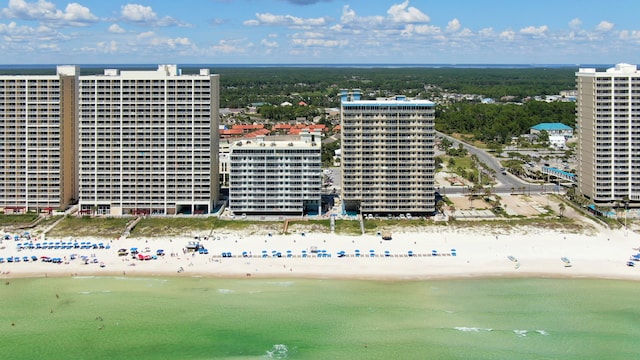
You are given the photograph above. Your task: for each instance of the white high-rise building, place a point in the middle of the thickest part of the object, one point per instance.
(388, 154)
(38, 141)
(608, 126)
(272, 175)
(148, 142)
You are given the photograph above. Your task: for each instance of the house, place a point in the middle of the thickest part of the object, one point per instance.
(552, 129)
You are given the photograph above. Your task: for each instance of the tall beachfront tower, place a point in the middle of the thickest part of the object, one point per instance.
(38, 141)
(148, 142)
(608, 124)
(387, 155)
(276, 175)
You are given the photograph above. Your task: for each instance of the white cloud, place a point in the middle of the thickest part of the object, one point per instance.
(508, 35)
(46, 12)
(228, 46)
(269, 44)
(320, 42)
(486, 32)
(453, 25)
(146, 34)
(109, 47)
(285, 20)
(145, 16)
(403, 13)
(633, 35)
(411, 29)
(49, 47)
(116, 29)
(171, 43)
(12, 33)
(535, 31)
(604, 26)
(348, 14)
(575, 23)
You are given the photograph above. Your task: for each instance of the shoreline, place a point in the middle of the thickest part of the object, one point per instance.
(438, 254)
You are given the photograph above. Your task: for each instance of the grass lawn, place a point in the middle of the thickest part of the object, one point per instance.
(17, 220)
(106, 227)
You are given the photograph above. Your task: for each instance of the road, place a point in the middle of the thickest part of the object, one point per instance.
(505, 182)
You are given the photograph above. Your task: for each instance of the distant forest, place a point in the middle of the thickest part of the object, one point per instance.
(489, 123)
(319, 87)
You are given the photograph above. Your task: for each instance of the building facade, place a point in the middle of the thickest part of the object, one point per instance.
(608, 126)
(38, 141)
(148, 142)
(388, 155)
(271, 175)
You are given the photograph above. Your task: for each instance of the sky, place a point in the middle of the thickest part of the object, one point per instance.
(319, 32)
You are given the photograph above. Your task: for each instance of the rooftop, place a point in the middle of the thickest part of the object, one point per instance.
(551, 126)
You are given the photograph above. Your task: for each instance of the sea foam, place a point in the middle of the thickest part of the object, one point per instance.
(471, 329)
(278, 351)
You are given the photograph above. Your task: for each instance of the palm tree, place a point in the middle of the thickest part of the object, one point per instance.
(562, 208)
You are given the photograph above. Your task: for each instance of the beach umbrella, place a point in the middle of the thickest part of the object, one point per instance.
(453, 252)
(434, 252)
(387, 253)
(410, 253)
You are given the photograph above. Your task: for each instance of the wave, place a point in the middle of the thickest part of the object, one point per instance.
(521, 333)
(471, 329)
(226, 291)
(282, 283)
(278, 351)
(518, 332)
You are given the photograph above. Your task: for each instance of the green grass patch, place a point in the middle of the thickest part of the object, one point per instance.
(181, 226)
(17, 220)
(161, 226)
(300, 226)
(348, 227)
(106, 227)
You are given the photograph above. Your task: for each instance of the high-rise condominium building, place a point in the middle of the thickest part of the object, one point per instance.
(272, 175)
(387, 155)
(608, 124)
(38, 141)
(148, 142)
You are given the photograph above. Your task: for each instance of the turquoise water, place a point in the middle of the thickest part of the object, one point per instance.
(198, 318)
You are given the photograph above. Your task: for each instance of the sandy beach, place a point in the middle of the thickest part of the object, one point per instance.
(438, 252)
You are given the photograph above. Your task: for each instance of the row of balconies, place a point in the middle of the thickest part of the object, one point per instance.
(315, 193)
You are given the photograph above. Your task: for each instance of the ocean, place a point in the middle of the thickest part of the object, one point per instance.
(202, 318)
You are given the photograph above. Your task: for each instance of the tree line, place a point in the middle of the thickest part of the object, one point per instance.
(498, 123)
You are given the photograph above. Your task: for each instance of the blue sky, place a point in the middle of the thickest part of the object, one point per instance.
(319, 31)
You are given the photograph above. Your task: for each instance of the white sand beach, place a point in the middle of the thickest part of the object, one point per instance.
(438, 252)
